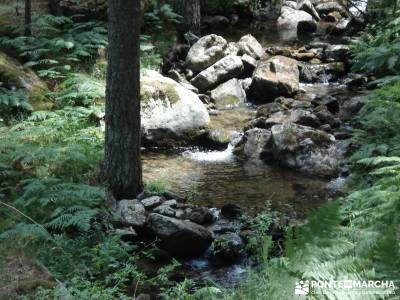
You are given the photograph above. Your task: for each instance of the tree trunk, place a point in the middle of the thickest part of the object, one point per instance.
(28, 17)
(122, 168)
(191, 13)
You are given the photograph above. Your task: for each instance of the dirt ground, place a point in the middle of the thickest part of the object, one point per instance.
(20, 276)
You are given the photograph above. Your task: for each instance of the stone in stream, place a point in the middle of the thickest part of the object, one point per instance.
(131, 213)
(228, 94)
(227, 68)
(199, 215)
(232, 49)
(290, 18)
(228, 248)
(337, 52)
(307, 6)
(305, 149)
(321, 72)
(328, 7)
(255, 144)
(339, 27)
(249, 45)
(151, 202)
(181, 238)
(205, 52)
(249, 64)
(277, 76)
(171, 114)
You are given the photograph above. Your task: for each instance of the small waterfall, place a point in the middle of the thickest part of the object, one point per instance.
(210, 156)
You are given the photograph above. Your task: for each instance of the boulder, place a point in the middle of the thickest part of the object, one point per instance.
(14, 76)
(255, 144)
(227, 68)
(232, 49)
(171, 114)
(339, 27)
(249, 45)
(304, 117)
(290, 4)
(328, 7)
(305, 149)
(230, 93)
(205, 52)
(290, 18)
(199, 215)
(308, 7)
(165, 210)
(181, 238)
(337, 52)
(131, 213)
(231, 211)
(249, 64)
(228, 247)
(151, 202)
(306, 27)
(277, 76)
(321, 72)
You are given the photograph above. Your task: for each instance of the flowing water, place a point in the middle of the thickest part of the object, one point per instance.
(215, 178)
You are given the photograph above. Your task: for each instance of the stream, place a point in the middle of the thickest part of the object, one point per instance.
(215, 178)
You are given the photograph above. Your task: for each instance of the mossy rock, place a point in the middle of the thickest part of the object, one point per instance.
(13, 74)
(154, 89)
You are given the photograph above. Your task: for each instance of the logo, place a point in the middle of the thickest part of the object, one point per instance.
(302, 288)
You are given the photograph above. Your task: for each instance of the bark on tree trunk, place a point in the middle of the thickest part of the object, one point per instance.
(28, 17)
(191, 13)
(122, 168)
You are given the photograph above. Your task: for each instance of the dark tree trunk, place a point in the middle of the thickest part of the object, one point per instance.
(28, 17)
(122, 168)
(191, 13)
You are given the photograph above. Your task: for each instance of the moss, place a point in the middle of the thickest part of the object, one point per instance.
(13, 73)
(29, 286)
(163, 91)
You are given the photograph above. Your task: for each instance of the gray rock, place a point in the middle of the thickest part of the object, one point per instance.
(227, 68)
(199, 215)
(339, 27)
(305, 149)
(232, 49)
(304, 117)
(249, 64)
(328, 7)
(172, 203)
(228, 94)
(131, 213)
(258, 143)
(290, 18)
(249, 45)
(205, 52)
(306, 27)
(337, 52)
(171, 114)
(165, 210)
(228, 247)
(126, 233)
(180, 237)
(308, 7)
(151, 202)
(321, 72)
(278, 76)
(290, 4)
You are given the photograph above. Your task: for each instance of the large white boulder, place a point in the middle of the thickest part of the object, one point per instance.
(170, 114)
(277, 76)
(205, 52)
